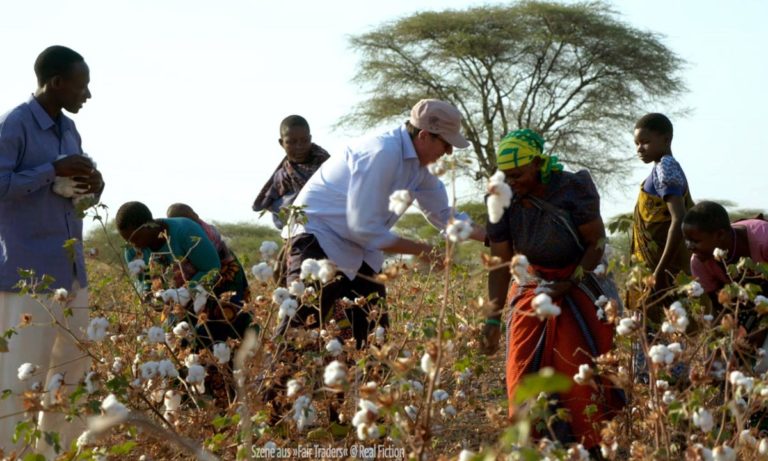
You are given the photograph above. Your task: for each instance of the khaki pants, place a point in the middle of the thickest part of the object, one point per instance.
(53, 350)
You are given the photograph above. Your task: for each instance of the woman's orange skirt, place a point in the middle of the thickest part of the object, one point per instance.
(574, 337)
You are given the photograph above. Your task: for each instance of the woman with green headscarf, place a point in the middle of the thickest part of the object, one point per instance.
(554, 221)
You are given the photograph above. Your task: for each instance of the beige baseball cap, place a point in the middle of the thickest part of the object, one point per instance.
(440, 118)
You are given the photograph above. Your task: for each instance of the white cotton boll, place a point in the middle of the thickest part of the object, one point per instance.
(662, 384)
(310, 269)
(156, 335)
(262, 271)
(26, 370)
(137, 266)
(448, 411)
(195, 374)
(279, 295)
(675, 348)
(294, 386)
(760, 299)
(694, 289)
(55, 383)
(437, 168)
(86, 438)
(182, 329)
(669, 397)
(67, 187)
(599, 270)
(335, 374)
(584, 375)
(411, 411)
(439, 395)
(148, 370)
(578, 453)
(296, 288)
(97, 329)
(720, 254)
(192, 359)
(746, 438)
(499, 196)
(268, 249)
(334, 347)
(171, 401)
(466, 455)
(304, 413)
(601, 301)
(167, 369)
(399, 201)
(117, 365)
(518, 267)
(287, 309)
(112, 407)
(222, 352)
(661, 354)
(380, 335)
(428, 364)
(416, 387)
(200, 299)
(543, 306)
(626, 326)
(703, 419)
(327, 271)
(762, 447)
(459, 230)
(60, 295)
(723, 453)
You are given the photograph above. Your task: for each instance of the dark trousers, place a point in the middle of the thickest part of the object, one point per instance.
(305, 246)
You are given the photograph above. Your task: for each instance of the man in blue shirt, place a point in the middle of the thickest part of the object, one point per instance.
(41, 230)
(350, 216)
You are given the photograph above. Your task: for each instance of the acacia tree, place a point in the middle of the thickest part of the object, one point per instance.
(575, 73)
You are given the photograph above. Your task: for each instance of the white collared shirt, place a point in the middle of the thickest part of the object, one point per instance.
(347, 200)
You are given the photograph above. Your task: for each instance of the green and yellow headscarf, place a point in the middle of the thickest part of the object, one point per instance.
(520, 147)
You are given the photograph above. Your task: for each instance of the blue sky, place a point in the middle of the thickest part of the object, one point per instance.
(188, 95)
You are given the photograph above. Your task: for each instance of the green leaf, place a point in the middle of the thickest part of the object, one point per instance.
(546, 380)
(123, 448)
(3, 345)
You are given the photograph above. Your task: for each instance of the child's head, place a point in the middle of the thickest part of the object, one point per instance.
(182, 210)
(135, 224)
(653, 137)
(706, 226)
(295, 138)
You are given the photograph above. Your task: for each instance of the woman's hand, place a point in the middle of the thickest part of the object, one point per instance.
(556, 290)
(489, 339)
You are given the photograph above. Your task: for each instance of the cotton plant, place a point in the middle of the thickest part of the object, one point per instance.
(304, 413)
(499, 196)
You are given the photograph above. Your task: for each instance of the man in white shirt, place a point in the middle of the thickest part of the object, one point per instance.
(348, 217)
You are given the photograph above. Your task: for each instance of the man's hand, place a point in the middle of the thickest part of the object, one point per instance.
(92, 183)
(74, 165)
(489, 339)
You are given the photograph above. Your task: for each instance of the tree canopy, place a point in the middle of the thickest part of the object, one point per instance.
(576, 73)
